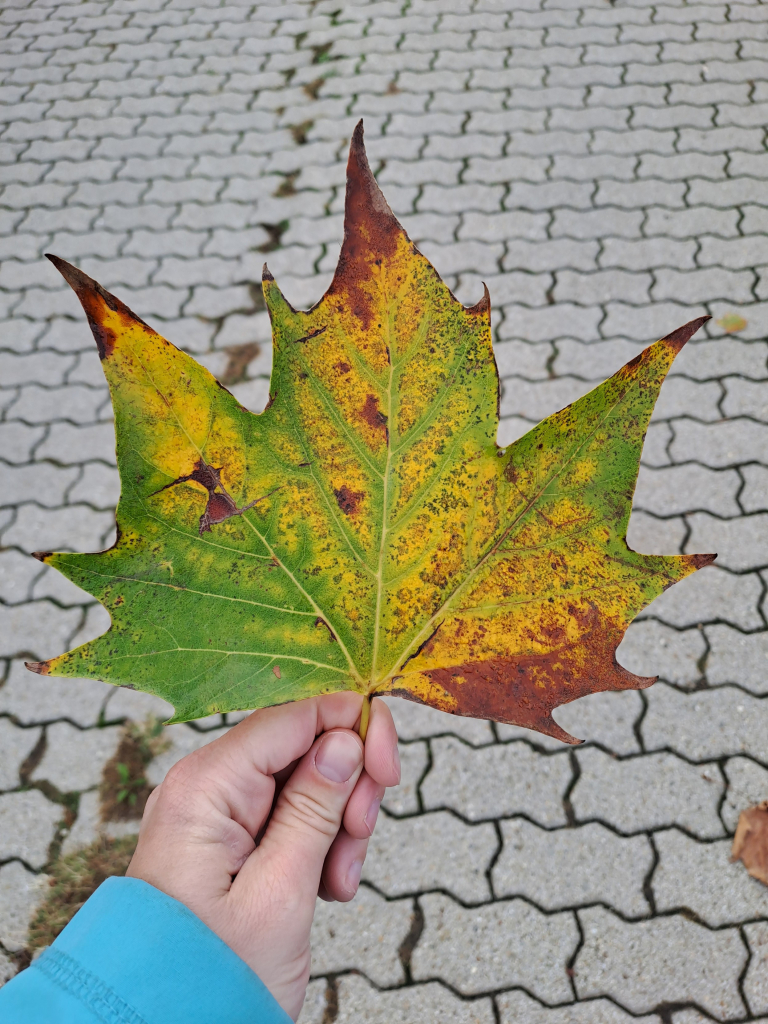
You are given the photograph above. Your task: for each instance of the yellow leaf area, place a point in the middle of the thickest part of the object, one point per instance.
(365, 531)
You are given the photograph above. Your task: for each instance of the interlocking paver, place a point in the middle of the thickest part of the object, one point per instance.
(648, 793)
(497, 781)
(27, 826)
(15, 747)
(73, 758)
(603, 170)
(495, 946)
(651, 962)
(431, 851)
(20, 892)
(701, 878)
(756, 981)
(524, 867)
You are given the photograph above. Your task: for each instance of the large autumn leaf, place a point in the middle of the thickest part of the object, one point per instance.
(365, 532)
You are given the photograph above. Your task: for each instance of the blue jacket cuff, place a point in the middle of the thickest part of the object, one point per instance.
(132, 955)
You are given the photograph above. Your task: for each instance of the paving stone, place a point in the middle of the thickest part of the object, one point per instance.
(756, 981)
(747, 786)
(364, 934)
(430, 851)
(700, 877)
(18, 573)
(358, 1001)
(654, 536)
(737, 723)
(650, 648)
(33, 699)
(71, 528)
(718, 445)
(669, 959)
(516, 1007)
(315, 1002)
(15, 747)
(571, 867)
(649, 792)
(89, 827)
(671, 490)
(74, 759)
(20, 893)
(712, 593)
(495, 946)
(404, 799)
(497, 781)
(738, 658)
(740, 543)
(27, 826)
(754, 497)
(98, 486)
(36, 630)
(416, 721)
(182, 740)
(604, 718)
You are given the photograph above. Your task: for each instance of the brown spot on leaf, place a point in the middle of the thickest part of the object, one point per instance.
(276, 670)
(525, 690)
(750, 844)
(372, 415)
(220, 506)
(342, 367)
(348, 500)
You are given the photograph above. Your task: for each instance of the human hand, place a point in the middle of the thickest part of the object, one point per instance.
(300, 780)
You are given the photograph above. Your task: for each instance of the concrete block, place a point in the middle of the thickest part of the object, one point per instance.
(559, 869)
(27, 826)
(747, 786)
(701, 878)
(500, 945)
(669, 959)
(18, 573)
(365, 934)
(754, 497)
(516, 1007)
(655, 536)
(650, 648)
(20, 893)
(738, 658)
(678, 489)
(740, 543)
(36, 630)
(648, 792)
(756, 981)
(496, 781)
(72, 528)
(15, 747)
(708, 595)
(417, 721)
(74, 759)
(430, 851)
(42, 482)
(429, 1003)
(404, 799)
(745, 398)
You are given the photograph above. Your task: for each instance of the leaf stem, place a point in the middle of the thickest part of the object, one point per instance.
(365, 716)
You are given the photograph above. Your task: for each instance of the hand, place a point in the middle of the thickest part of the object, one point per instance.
(298, 779)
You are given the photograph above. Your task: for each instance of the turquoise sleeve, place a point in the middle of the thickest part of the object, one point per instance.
(132, 955)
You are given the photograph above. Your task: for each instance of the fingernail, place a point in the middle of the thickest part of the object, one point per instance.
(353, 875)
(338, 756)
(396, 761)
(372, 814)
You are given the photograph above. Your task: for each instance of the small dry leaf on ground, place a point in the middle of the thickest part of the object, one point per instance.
(731, 323)
(750, 844)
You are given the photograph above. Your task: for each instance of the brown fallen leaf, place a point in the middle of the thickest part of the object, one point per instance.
(750, 844)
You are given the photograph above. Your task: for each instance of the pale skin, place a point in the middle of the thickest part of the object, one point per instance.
(258, 894)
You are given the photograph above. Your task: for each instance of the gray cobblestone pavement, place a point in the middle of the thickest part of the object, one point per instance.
(602, 165)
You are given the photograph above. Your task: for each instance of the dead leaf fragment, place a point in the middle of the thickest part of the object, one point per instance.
(731, 323)
(750, 844)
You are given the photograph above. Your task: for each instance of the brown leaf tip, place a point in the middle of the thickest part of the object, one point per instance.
(41, 556)
(701, 560)
(679, 337)
(91, 296)
(40, 668)
(266, 275)
(483, 307)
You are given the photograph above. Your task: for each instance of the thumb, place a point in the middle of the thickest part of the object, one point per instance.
(310, 808)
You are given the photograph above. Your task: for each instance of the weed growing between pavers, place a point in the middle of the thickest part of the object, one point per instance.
(124, 788)
(74, 879)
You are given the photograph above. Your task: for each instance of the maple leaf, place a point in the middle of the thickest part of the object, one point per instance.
(366, 532)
